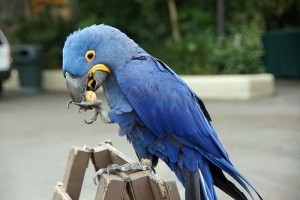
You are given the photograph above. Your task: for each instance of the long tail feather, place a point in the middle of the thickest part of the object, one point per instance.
(234, 173)
(225, 185)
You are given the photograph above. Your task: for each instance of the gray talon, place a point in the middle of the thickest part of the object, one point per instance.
(69, 103)
(113, 168)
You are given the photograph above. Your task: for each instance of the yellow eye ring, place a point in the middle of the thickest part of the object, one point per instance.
(90, 55)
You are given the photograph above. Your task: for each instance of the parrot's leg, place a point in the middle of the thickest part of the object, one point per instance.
(103, 115)
(134, 166)
(192, 185)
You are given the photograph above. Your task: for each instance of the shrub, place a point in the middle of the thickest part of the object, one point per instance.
(192, 55)
(239, 53)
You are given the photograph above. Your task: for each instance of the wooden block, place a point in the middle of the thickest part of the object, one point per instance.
(105, 154)
(141, 186)
(172, 190)
(118, 157)
(138, 185)
(158, 187)
(76, 166)
(101, 157)
(111, 187)
(60, 193)
(146, 185)
(163, 189)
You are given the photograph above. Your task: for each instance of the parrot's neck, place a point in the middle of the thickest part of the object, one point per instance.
(113, 92)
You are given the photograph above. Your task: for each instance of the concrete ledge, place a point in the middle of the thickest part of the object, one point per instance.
(216, 87)
(53, 81)
(231, 87)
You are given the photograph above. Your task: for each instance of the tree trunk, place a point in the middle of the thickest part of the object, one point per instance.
(173, 19)
(220, 17)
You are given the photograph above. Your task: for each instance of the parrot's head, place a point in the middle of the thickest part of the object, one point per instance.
(91, 55)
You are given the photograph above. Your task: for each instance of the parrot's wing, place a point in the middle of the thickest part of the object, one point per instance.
(174, 113)
(166, 105)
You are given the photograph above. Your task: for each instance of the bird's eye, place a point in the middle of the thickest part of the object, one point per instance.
(90, 55)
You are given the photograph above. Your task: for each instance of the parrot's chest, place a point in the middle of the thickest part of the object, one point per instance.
(113, 93)
(145, 142)
(142, 138)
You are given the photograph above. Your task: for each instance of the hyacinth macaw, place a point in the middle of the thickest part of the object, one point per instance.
(155, 109)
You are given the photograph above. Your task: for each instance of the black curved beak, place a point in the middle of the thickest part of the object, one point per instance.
(77, 86)
(92, 81)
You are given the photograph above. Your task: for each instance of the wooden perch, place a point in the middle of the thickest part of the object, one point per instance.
(140, 185)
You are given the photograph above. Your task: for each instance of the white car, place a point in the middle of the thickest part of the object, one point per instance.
(5, 59)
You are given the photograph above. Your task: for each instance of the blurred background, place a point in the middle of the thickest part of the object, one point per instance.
(196, 37)
(210, 37)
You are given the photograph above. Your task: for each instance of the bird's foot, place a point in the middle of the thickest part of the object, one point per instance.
(96, 105)
(114, 168)
(87, 105)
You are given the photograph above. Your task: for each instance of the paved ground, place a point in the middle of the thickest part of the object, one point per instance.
(262, 137)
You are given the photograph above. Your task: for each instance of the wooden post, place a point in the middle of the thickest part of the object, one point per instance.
(60, 193)
(110, 187)
(76, 166)
(102, 156)
(136, 185)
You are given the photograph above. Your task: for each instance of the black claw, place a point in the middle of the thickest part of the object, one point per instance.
(89, 122)
(69, 103)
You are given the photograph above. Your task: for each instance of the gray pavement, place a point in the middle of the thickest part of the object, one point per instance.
(262, 137)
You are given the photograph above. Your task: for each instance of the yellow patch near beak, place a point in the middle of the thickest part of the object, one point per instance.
(98, 67)
(95, 68)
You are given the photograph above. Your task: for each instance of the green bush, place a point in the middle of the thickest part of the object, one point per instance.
(239, 53)
(204, 53)
(192, 55)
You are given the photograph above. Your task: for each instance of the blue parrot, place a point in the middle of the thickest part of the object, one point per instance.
(156, 110)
